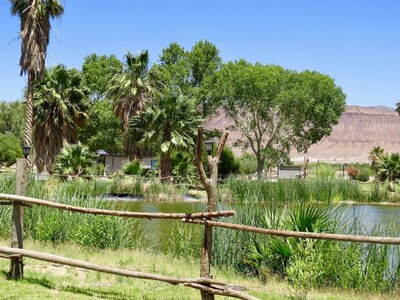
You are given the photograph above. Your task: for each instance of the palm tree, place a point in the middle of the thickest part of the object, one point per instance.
(75, 160)
(130, 90)
(389, 169)
(61, 103)
(169, 122)
(35, 32)
(398, 107)
(375, 155)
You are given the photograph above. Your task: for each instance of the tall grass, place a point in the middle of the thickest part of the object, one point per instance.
(48, 224)
(307, 264)
(292, 191)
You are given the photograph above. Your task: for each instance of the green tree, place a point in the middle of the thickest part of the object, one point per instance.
(10, 149)
(12, 118)
(174, 68)
(129, 91)
(276, 109)
(247, 164)
(169, 122)
(97, 71)
(204, 60)
(74, 160)
(187, 70)
(102, 129)
(34, 32)
(61, 103)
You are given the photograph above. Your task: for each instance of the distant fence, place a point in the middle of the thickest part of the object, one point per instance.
(205, 285)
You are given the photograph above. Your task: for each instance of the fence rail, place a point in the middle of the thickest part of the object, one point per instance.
(117, 213)
(216, 287)
(205, 285)
(300, 234)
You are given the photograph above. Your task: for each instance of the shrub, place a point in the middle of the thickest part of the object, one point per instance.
(133, 167)
(353, 172)
(247, 164)
(74, 159)
(228, 164)
(363, 177)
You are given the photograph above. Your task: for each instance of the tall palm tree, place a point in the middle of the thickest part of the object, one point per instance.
(130, 90)
(35, 33)
(61, 103)
(170, 123)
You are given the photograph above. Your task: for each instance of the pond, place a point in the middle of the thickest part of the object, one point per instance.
(158, 230)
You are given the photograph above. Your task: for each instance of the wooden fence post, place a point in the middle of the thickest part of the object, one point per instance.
(210, 185)
(16, 265)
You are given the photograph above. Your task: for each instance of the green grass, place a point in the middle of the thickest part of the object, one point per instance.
(353, 267)
(53, 281)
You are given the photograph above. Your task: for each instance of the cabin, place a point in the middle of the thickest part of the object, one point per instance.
(290, 172)
(114, 162)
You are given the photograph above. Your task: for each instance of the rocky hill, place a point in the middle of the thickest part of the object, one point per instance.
(359, 129)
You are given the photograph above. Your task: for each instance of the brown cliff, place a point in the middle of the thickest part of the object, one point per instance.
(359, 129)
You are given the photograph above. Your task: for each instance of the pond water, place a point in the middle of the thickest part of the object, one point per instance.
(158, 230)
(374, 215)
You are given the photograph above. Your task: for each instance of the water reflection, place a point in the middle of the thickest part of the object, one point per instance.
(372, 216)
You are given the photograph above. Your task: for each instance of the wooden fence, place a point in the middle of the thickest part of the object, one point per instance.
(206, 285)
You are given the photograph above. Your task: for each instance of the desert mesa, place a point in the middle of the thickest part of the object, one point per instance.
(359, 129)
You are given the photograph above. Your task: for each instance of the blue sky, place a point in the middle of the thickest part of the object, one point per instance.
(357, 42)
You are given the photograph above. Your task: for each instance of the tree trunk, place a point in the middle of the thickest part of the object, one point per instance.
(212, 192)
(206, 250)
(260, 167)
(165, 161)
(165, 166)
(29, 114)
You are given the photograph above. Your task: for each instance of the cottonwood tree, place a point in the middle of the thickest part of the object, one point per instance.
(187, 70)
(276, 109)
(97, 72)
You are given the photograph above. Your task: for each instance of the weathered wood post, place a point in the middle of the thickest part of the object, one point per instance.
(16, 265)
(210, 185)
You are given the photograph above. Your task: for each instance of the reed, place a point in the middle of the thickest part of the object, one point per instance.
(308, 264)
(291, 191)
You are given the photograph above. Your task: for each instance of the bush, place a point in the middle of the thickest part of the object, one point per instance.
(247, 164)
(353, 172)
(10, 149)
(74, 159)
(363, 177)
(228, 164)
(133, 167)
